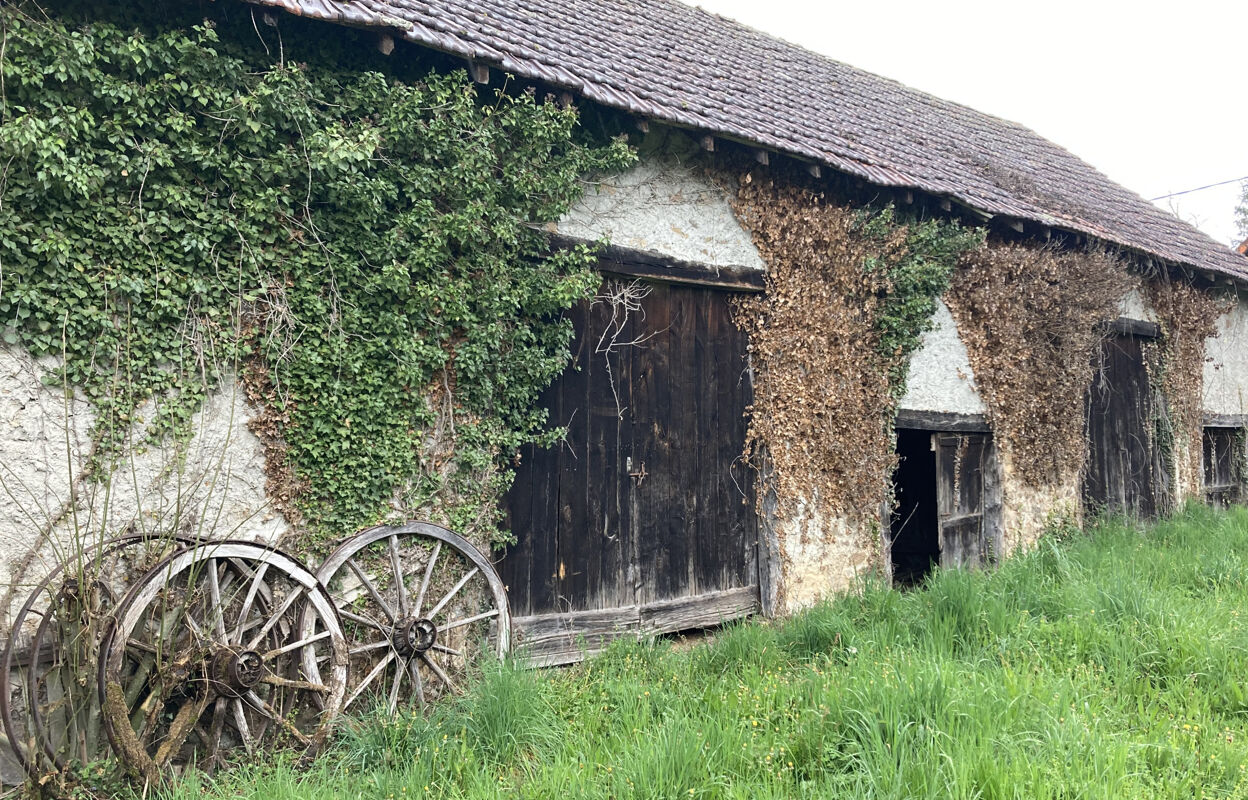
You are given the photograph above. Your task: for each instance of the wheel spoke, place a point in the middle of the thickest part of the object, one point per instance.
(256, 582)
(282, 609)
(213, 742)
(240, 724)
(355, 651)
(397, 566)
(413, 666)
(433, 665)
(381, 665)
(272, 654)
(424, 582)
(441, 648)
(394, 687)
(264, 708)
(372, 591)
(451, 594)
(372, 623)
(287, 683)
(214, 594)
(468, 620)
(150, 710)
(179, 729)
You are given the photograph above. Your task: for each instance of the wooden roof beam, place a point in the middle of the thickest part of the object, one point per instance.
(480, 72)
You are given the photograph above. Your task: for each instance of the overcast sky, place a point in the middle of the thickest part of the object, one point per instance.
(1153, 94)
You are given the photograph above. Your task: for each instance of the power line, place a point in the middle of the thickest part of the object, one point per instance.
(1198, 189)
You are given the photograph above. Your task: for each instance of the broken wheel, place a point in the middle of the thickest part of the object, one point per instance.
(51, 712)
(421, 608)
(206, 657)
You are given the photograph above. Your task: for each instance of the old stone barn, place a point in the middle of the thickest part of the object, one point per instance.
(831, 327)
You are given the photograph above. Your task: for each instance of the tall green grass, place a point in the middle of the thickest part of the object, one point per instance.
(1108, 665)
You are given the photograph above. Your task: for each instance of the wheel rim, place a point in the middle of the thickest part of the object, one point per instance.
(204, 659)
(52, 720)
(421, 608)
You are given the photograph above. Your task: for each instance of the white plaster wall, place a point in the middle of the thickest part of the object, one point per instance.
(213, 487)
(1226, 363)
(660, 206)
(1135, 306)
(940, 377)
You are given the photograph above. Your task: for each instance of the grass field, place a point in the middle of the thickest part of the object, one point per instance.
(1105, 664)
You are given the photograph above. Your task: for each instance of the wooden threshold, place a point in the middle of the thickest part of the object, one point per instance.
(547, 640)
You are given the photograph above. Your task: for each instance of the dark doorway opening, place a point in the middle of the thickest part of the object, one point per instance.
(914, 528)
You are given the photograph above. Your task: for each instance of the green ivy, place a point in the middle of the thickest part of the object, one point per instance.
(914, 278)
(176, 207)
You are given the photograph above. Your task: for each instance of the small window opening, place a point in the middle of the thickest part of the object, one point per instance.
(913, 529)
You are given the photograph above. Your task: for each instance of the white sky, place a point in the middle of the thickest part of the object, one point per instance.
(1153, 94)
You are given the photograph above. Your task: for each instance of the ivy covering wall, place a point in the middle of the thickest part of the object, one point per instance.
(849, 294)
(182, 203)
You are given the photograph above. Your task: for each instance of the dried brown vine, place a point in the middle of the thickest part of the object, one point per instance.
(1031, 318)
(823, 398)
(1188, 316)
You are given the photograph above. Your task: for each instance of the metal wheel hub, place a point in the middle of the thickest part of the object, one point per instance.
(235, 673)
(413, 636)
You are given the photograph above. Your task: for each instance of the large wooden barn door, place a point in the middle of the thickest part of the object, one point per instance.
(642, 520)
(1125, 473)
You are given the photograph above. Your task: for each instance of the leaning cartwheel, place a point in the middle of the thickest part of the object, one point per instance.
(175, 653)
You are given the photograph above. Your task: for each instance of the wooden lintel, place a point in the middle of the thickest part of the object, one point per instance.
(658, 267)
(480, 72)
(1225, 420)
(385, 44)
(946, 204)
(815, 170)
(762, 157)
(941, 421)
(708, 143)
(1135, 327)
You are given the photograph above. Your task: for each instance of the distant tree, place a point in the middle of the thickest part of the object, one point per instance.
(1241, 212)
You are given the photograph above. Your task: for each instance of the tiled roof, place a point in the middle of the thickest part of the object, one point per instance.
(670, 62)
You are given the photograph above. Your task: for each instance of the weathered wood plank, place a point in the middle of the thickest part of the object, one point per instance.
(545, 640)
(1125, 471)
(941, 421)
(1226, 420)
(1125, 326)
(659, 267)
(699, 611)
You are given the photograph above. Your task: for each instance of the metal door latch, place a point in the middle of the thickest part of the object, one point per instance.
(640, 474)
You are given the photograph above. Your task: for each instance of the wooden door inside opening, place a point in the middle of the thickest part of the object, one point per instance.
(1125, 471)
(642, 520)
(1224, 465)
(947, 509)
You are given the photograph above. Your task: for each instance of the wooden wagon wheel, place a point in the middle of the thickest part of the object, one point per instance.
(420, 606)
(51, 714)
(206, 654)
